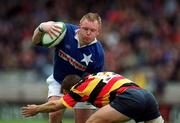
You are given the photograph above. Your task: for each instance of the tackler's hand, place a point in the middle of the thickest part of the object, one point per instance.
(29, 110)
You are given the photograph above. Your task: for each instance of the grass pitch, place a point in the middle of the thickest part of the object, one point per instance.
(33, 121)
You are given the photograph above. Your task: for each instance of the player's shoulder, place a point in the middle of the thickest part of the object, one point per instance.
(99, 45)
(71, 26)
(99, 48)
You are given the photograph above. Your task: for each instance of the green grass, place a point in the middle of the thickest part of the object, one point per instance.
(33, 121)
(23, 121)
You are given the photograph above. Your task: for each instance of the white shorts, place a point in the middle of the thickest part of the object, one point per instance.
(54, 89)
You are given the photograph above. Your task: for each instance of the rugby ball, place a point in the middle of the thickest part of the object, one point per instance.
(49, 42)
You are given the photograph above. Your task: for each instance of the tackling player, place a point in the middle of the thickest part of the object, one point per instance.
(78, 53)
(118, 98)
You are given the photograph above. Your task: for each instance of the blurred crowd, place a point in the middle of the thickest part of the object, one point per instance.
(141, 38)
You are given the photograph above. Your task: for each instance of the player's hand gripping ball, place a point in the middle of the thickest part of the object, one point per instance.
(49, 42)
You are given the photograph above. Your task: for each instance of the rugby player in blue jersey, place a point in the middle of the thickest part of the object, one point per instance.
(78, 53)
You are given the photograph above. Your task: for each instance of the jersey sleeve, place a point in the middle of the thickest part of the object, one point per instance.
(78, 93)
(68, 101)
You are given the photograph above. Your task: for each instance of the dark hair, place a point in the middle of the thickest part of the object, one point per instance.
(69, 81)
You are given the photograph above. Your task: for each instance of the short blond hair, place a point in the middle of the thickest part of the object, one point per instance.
(92, 17)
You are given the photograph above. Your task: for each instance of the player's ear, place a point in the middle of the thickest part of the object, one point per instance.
(80, 25)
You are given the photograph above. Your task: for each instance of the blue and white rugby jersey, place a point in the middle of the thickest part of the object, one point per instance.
(70, 58)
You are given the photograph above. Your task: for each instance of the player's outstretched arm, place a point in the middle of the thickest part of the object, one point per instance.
(51, 106)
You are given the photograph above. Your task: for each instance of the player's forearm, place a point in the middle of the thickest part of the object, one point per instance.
(50, 106)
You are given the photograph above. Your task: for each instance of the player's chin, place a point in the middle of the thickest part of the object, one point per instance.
(88, 40)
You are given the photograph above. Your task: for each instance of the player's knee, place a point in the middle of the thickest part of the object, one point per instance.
(54, 116)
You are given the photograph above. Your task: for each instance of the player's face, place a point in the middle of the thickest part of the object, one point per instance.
(88, 31)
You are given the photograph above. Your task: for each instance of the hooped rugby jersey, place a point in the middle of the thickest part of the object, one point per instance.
(70, 58)
(98, 89)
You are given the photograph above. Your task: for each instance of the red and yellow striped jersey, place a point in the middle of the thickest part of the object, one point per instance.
(98, 89)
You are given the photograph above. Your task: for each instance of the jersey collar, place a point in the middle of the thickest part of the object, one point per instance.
(77, 38)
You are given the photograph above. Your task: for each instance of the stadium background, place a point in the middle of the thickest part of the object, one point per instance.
(141, 40)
